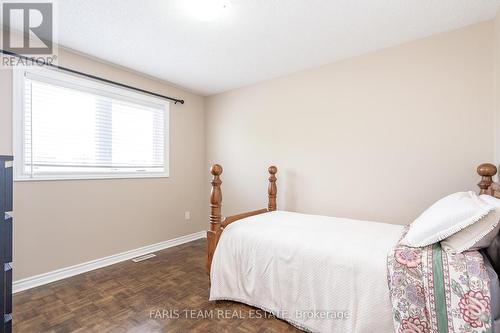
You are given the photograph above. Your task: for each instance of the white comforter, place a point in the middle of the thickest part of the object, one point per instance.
(304, 267)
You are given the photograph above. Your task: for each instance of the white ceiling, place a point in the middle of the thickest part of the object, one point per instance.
(251, 40)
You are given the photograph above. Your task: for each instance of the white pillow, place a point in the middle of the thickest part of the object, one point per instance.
(479, 235)
(445, 217)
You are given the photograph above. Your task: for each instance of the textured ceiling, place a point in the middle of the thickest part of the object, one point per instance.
(250, 40)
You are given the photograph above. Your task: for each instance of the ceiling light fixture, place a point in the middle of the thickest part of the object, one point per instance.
(206, 10)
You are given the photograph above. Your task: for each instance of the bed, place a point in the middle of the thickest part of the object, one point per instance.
(319, 273)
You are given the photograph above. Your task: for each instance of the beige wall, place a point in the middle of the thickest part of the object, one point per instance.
(63, 223)
(377, 137)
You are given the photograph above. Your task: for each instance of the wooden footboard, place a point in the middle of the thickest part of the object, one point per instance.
(217, 225)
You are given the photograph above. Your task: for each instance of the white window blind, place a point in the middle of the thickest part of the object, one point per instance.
(78, 128)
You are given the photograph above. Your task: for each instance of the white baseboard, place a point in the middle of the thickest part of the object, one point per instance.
(38, 280)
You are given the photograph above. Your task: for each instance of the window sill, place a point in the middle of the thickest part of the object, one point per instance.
(91, 177)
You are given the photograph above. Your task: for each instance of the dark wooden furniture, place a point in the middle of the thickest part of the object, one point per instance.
(6, 242)
(217, 225)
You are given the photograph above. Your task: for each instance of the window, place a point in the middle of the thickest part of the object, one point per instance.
(69, 127)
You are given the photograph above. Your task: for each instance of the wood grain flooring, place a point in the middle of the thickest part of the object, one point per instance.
(168, 293)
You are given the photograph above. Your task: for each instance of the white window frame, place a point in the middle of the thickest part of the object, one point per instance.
(18, 83)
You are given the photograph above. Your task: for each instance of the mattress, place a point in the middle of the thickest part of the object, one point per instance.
(321, 274)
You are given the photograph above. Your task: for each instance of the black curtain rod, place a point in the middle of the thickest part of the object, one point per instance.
(69, 70)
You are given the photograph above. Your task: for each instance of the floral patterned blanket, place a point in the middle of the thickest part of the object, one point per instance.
(434, 291)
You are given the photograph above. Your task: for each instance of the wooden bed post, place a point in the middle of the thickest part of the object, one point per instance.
(272, 190)
(486, 171)
(216, 223)
(215, 214)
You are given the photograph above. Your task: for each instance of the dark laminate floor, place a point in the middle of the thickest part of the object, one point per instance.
(127, 297)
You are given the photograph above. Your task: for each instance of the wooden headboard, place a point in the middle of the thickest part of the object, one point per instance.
(487, 185)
